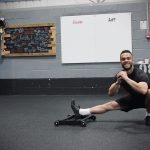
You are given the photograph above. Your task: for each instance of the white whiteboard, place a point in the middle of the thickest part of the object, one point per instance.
(95, 38)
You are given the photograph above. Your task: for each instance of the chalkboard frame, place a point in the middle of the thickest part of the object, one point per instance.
(51, 47)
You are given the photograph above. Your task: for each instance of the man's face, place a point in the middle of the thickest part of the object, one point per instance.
(126, 61)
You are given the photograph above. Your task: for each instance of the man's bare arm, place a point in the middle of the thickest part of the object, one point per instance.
(114, 88)
(140, 87)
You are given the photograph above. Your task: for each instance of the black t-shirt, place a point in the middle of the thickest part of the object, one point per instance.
(137, 75)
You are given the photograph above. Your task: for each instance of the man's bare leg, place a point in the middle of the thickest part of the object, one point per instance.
(100, 109)
(147, 105)
(147, 101)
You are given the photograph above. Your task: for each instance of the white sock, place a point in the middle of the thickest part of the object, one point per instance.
(84, 111)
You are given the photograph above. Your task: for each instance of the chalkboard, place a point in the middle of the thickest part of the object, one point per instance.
(95, 38)
(30, 40)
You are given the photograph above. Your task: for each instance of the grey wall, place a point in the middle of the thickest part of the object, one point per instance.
(48, 67)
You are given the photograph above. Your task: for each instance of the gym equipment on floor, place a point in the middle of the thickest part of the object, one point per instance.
(75, 120)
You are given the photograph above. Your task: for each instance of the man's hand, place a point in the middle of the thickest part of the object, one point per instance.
(122, 75)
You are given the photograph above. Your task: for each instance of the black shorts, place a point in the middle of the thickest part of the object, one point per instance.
(130, 102)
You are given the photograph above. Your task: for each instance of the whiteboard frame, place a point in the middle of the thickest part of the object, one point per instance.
(81, 37)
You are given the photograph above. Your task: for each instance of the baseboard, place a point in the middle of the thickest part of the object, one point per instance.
(61, 86)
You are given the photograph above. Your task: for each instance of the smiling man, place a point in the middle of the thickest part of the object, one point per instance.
(134, 81)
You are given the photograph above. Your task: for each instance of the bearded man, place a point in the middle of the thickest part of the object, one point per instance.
(134, 80)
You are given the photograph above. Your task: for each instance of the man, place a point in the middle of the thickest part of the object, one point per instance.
(134, 81)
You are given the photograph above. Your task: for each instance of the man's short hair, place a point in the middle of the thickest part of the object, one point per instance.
(125, 51)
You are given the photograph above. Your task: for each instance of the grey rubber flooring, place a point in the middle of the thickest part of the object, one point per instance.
(27, 123)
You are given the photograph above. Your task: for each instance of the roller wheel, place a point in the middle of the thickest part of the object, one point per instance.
(56, 123)
(83, 124)
(93, 118)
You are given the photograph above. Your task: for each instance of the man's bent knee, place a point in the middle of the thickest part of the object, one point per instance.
(147, 100)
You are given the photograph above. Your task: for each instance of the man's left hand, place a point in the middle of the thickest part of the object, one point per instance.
(122, 74)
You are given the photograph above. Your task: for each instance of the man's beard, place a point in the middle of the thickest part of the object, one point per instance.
(127, 69)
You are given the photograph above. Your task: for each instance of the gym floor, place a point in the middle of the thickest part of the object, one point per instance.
(27, 123)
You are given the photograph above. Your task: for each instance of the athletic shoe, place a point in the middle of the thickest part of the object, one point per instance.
(147, 120)
(75, 108)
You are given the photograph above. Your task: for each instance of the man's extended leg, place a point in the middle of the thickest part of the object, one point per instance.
(99, 109)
